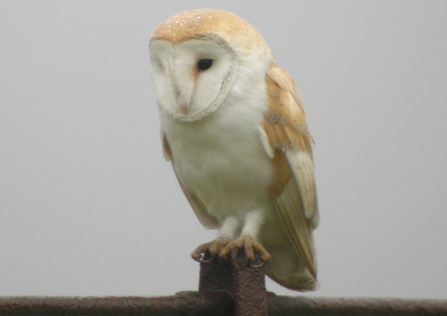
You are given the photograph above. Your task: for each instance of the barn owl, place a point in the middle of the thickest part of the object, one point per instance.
(234, 129)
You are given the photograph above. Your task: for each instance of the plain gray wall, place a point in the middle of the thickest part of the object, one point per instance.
(88, 206)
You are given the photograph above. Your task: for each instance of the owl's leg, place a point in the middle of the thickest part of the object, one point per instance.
(253, 223)
(207, 251)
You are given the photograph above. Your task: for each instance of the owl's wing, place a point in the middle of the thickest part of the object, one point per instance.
(291, 143)
(199, 208)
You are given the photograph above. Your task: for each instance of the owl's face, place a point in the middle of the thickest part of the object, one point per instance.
(198, 56)
(192, 77)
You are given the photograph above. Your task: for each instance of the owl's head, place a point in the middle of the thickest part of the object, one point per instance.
(197, 56)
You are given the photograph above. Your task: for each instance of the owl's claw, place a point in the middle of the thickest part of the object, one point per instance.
(222, 246)
(207, 251)
(250, 246)
(257, 265)
(204, 257)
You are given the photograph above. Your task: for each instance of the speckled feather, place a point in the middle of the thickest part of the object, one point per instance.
(194, 23)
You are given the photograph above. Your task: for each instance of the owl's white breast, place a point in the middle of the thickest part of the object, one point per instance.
(220, 158)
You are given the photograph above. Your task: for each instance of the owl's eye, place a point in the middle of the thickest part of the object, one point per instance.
(204, 64)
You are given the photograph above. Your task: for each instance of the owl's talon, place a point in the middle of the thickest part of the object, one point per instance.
(199, 253)
(209, 249)
(250, 246)
(205, 261)
(257, 265)
(204, 258)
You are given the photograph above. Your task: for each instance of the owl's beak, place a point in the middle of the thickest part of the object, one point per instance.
(184, 107)
(183, 93)
(180, 97)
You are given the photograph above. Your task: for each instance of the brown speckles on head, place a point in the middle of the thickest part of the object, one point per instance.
(198, 23)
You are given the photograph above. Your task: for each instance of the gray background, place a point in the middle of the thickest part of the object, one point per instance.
(88, 206)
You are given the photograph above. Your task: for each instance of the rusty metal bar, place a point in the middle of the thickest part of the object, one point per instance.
(217, 303)
(183, 303)
(309, 306)
(233, 287)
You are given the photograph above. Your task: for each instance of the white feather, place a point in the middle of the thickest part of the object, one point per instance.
(303, 171)
(265, 143)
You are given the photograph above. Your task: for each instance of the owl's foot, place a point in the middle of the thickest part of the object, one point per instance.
(205, 252)
(250, 246)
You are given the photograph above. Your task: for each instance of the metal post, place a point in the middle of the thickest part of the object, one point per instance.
(237, 277)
